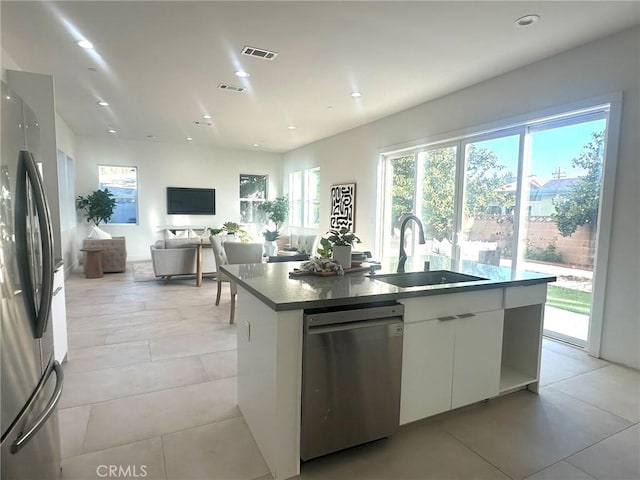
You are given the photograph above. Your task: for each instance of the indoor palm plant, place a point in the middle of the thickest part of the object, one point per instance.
(98, 206)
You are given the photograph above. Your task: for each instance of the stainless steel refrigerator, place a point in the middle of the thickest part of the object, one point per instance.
(31, 380)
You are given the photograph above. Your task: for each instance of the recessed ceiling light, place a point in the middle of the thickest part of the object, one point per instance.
(241, 74)
(356, 94)
(292, 127)
(189, 139)
(85, 44)
(527, 20)
(255, 145)
(8, 97)
(111, 130)
(208, 117)
(102, 103)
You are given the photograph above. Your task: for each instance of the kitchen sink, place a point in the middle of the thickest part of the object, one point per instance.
(418, 279)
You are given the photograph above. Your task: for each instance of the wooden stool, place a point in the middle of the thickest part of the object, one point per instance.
(93, 262)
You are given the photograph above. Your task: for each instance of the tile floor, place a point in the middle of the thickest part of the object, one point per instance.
(150, 392)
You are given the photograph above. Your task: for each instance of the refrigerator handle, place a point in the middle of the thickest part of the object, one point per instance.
(29, 432)
(28, 172)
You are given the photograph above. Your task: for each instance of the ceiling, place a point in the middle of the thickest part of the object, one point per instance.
(158, 63)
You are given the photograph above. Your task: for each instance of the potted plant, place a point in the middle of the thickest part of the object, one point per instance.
(338, 246)
(276, 211)
(98, 206)
(234, 229)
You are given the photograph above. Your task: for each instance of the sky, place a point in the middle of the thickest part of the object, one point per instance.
(551, 149)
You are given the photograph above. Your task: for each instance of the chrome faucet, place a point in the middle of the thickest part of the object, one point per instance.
(402, 257)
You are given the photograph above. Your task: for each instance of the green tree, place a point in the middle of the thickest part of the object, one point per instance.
(580, 206)
(438, 187)
(98, 206)
(484, 177)
(402, 191)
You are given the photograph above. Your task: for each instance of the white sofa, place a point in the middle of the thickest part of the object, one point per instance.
(303, 243)
(177, 256)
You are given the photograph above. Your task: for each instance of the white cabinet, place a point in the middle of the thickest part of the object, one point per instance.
(449, 361)
(477, 355)
(59, 317)
(427, 369)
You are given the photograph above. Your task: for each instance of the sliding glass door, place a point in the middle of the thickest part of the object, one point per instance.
(489, 199)
(558, 236)
(523, 198)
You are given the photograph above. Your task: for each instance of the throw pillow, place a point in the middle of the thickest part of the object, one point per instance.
(98, 234)
(168, 234)
(182, 234)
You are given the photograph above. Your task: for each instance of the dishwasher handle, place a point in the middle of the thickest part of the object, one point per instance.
(339, 327)
(351, 315)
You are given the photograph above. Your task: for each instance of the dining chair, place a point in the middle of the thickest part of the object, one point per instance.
(221, 259)
(240, 253)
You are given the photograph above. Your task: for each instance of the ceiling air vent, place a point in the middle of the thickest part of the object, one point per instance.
(203, 124)
(231, 88)
(259, 53)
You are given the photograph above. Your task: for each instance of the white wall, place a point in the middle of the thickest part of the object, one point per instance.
(71, 242)
(177, 165)
(6, 63)
(599, 68)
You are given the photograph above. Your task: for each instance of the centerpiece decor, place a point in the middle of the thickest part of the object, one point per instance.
(338, 245)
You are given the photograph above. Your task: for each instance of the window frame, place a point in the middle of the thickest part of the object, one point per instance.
(308, 200)
(612, 105)
(302, 204)
(253, 201)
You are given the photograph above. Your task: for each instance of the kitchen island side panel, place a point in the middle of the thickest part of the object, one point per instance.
(269, 381)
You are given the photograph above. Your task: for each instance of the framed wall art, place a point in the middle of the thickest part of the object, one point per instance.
(343, 206)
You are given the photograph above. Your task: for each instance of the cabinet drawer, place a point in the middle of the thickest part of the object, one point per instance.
(523, 296)
(422, 308)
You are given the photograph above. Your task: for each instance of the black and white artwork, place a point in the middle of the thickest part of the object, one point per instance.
(343, 206)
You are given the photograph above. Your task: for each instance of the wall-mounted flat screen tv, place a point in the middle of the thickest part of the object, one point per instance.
(191, 201)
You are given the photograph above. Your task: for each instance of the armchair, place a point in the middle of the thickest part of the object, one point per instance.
(114, 258)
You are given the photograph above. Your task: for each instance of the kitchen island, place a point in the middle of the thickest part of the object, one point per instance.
(463, 343)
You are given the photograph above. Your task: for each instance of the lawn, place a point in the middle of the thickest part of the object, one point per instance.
(567, 299)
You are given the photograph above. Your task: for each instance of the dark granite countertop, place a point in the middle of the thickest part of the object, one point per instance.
(270, 283)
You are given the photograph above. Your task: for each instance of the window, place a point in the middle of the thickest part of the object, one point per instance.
(295, 199)
(525, 197)
(253, 192)
(123, 183)
(304, 198)
(312, 197)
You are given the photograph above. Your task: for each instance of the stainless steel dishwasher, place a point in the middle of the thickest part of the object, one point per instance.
(351, 372)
